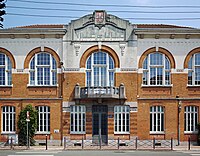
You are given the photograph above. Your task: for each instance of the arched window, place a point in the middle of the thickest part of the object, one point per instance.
(156, 70)
(5, 70)
(194, 70)
(100, 70)
(43, 70)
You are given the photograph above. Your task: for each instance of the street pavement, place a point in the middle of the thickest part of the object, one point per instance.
(58, 151)
(97, 153)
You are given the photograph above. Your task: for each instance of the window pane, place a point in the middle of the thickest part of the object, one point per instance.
(197, 59)
(156, 59)
(2, 76)
(43, 59)
(152, 76)
(89, 63)
(111, 63)
(197, 75)
(2, 59)
(159, 76)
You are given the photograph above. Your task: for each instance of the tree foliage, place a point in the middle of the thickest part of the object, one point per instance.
(22, 125)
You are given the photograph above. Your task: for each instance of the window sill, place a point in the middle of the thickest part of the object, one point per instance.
(77, 133)
(6, 86)
(188, 132)
(42, 133)
(42, 86)
(193, 86)
(7, 133)
(157, 86)
(122, 133)
(157, 133)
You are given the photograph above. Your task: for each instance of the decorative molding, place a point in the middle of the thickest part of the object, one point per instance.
(157, 36)
(42, 48)
(12, 36)
(172, 36)
(27, 36)
(128, 69)
(42, 36)
(179, 70)
(71, 69)
(187, 36)
(122, 46)
(77, 47)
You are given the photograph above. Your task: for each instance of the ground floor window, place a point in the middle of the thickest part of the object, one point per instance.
(77, 119)
(8, 119)
(122, 119)
(43, 119)
(156, 119)
(191, 118)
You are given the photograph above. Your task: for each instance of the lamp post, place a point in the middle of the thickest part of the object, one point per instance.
(27, 120)
(179, 111)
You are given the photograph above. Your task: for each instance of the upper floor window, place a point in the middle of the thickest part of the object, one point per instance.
(43, 70)
(5, 70)
(156, 119)
(194, 70)
(156, 70)
(100, 70)
(8, 119)
(191, 118)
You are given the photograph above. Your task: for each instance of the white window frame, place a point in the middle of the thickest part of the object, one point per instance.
(154, 128)
(7, 61)
(36, 66)
(120, 111)
(192, 70)
(77, 111)
(43, 114)
(188, 115)
(10, 116)
(164, 71)
(108, 70)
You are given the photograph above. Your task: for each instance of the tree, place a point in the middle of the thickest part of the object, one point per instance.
(22, 125)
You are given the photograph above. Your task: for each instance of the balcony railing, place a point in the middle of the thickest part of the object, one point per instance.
(100, 92)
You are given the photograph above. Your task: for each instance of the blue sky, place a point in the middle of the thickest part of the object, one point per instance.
(16, 20)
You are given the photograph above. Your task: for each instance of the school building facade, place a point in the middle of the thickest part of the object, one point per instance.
(103, 76)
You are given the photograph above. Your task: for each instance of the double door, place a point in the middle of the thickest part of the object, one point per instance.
(100, 124)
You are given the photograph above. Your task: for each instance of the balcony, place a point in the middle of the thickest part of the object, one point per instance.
(100, 92)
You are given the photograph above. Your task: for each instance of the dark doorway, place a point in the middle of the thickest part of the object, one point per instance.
(100, 124)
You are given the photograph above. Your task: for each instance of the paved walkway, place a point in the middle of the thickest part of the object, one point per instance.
(53, 148)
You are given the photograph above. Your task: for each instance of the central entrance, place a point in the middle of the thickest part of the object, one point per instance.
(100, 124)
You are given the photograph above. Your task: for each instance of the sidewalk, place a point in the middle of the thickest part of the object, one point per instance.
(185, 148)
(60, 148)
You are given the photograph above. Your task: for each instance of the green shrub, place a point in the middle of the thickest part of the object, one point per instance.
(22, 125)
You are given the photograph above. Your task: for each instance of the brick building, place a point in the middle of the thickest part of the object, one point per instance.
(101, 75)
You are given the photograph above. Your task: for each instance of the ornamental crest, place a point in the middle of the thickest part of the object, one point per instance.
(100, 18)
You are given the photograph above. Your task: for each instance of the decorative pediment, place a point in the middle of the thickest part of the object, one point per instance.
(93, 33)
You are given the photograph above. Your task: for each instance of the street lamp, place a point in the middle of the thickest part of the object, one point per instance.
(179, 111)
